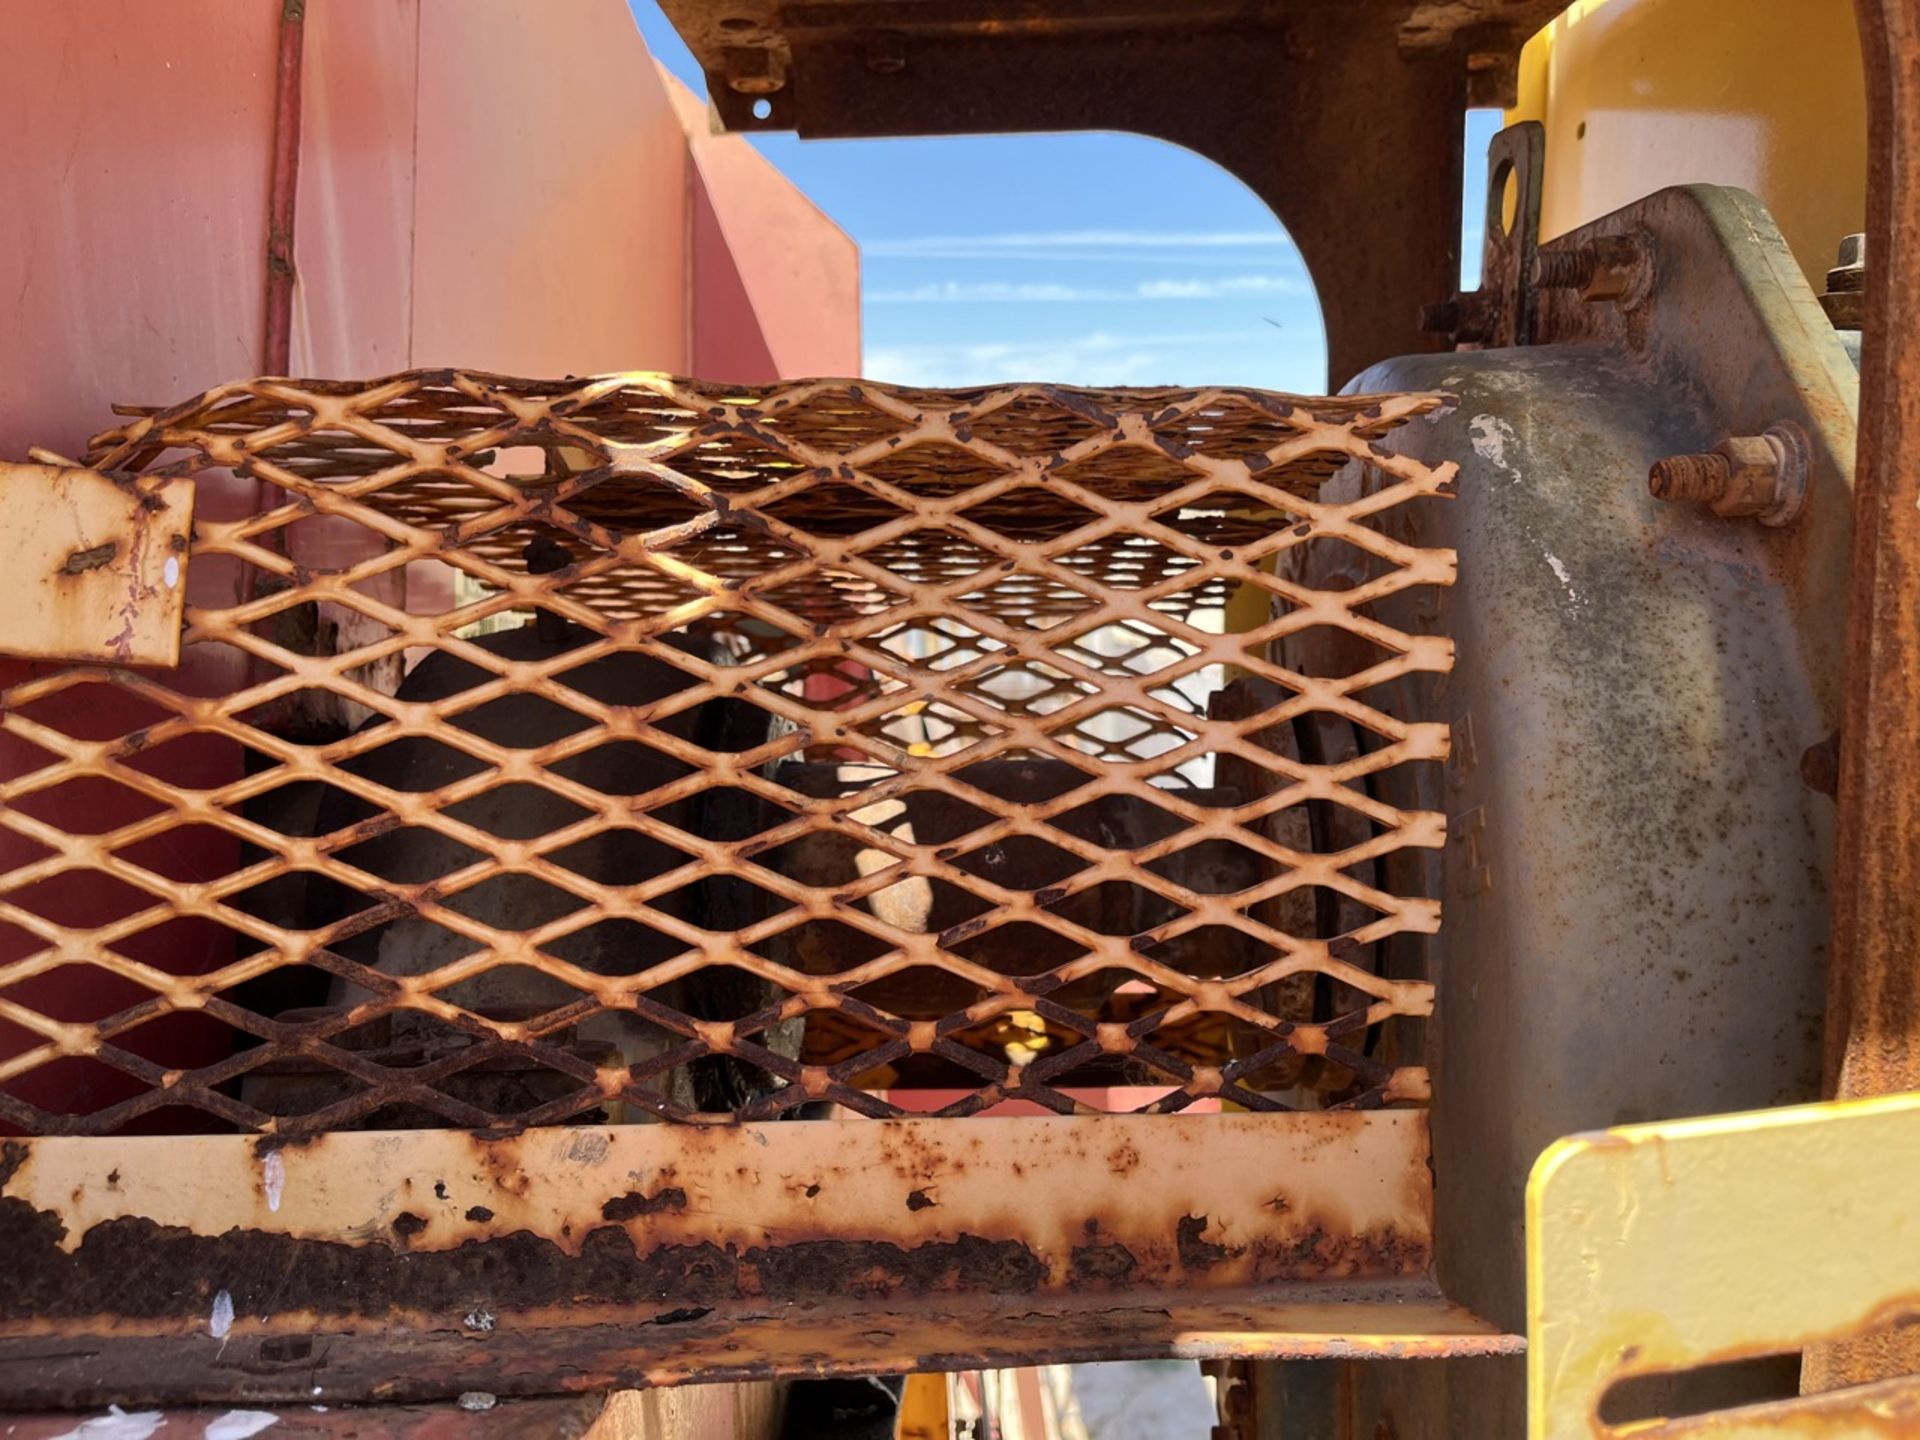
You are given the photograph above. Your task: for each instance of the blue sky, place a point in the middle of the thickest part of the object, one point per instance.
(1017, 257)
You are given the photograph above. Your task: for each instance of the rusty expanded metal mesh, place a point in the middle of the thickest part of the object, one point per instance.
(547, 751)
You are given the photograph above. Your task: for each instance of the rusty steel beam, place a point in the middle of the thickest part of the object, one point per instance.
(1344, 118)
(283, 189)
(422, 1265)
(574, 1417)
(1873, 998)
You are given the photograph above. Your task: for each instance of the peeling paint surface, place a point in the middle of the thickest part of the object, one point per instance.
(117, 1424)
(240, 1425)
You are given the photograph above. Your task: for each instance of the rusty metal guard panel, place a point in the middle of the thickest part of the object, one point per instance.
(622, 765)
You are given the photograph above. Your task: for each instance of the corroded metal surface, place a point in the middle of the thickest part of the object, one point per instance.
(1636, 896)
(95, 564)
(578, 1417)
(699, 634)
(384, 1266)
(758, 49)
(1873, 996)
(1365, 1321)
(705, 1214)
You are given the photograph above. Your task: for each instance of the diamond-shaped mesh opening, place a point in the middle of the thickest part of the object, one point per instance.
(78, 897)
(514, 899)
(751, 750)
(76, 1085)
(89, 804)
(1117, 907)
(838, 419)
(300, 899)
(1122, 560)
(936, 644)
(935, 469)
(1213, 867)
(411, 855)
(1039, 601)
(831, 682)
(622, 767)
(833, 508)
(1025, 947)
(185, 945)
(518, 810)
(94, 710)
(822, 947)
(1035, 425)
(1125, 733)
(1031, 512)
(1129, 648)
(933, 556)
(1226, 517)
(1128, 473)
(1333, 652)
(826, 596)
(615, 947)
(734, 464)
(723, 904)
(188, 762)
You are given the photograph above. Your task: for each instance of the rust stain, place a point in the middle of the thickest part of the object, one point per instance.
(1197, 1252)
(81, 561)
(633, 1204)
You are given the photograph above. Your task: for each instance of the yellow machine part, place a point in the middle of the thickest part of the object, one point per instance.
(1657, 1249)
(1767, 95)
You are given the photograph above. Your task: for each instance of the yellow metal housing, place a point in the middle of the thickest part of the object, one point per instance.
(1656, 1249)
(1767, 95)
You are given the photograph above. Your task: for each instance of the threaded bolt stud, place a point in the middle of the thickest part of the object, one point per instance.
(1690, 477)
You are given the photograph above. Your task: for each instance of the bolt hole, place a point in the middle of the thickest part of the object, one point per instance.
(736, 22)
(763, 109)
(1505, 185)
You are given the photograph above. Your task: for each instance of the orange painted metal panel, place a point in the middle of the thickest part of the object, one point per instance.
(354, 227)
(135, 176)
(776, 284)
(550, 202)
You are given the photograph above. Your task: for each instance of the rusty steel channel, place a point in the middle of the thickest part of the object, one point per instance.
(409, 1266)
(1873, 994)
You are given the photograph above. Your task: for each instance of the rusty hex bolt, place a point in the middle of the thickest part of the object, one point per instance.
(1762, 475)
(886, 52)
(753, 70)
(1607, 267)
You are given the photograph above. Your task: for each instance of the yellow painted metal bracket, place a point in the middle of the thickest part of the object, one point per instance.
(1658, 1249)
(94, 565)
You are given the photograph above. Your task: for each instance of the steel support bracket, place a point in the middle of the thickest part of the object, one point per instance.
(95, 563)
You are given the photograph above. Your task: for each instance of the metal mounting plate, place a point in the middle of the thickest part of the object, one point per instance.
(96, 565)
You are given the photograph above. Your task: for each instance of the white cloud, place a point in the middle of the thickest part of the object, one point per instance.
(987, 292)
(922, 245)
(1221, 288)
(1100, 358)
(975, 292)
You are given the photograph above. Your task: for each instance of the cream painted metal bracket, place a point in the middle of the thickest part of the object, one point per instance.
(1655, 1249)
(94, 565)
